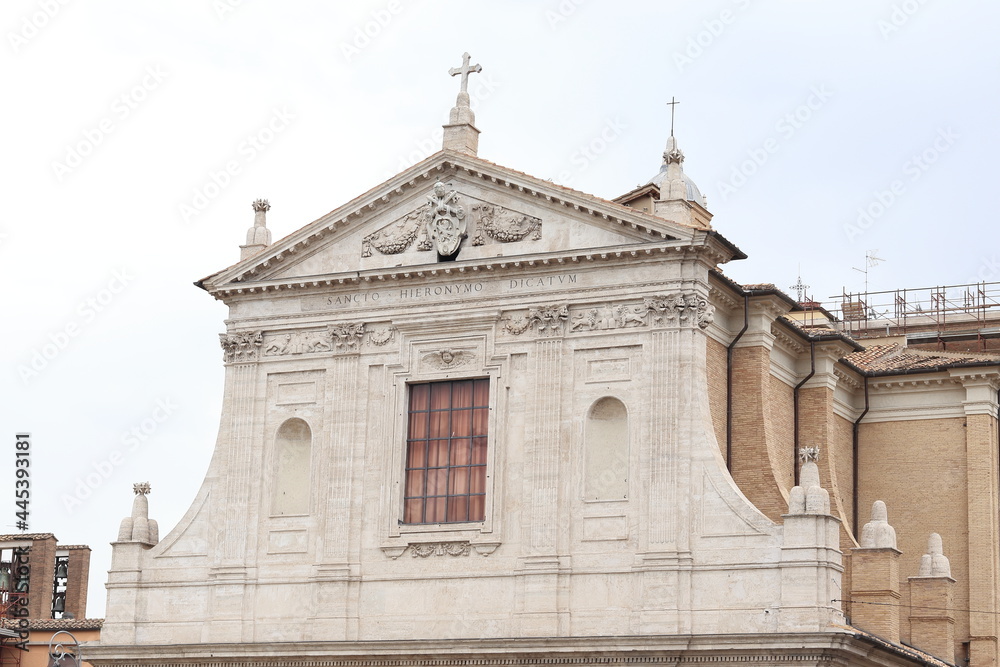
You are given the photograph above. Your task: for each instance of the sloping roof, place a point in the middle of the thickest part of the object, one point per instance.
(906, 651)
(896, 358)
(24, 537)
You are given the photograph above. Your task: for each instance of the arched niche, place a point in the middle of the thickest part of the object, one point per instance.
(292, 453)
(606, 451)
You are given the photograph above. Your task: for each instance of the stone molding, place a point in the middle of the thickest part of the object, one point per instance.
(847, 378)
(789, 342)
(723, 299)
(840, 646)
(469, 266)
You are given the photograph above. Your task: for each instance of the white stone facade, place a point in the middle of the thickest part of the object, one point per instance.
(613, 518)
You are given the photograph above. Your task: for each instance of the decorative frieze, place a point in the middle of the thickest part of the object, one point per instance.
(672, 310)
(609, 317)
(343, 337)
(242, 346)
(298, 343)
(546, 319)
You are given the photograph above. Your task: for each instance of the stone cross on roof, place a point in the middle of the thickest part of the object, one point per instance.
(673, 108)
(460, 134)
(465, 70)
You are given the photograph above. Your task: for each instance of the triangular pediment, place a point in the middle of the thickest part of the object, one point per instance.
(407, 222)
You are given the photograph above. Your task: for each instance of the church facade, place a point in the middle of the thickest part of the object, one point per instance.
(474, 417)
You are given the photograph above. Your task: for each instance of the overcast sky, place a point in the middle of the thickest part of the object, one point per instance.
(138, 133)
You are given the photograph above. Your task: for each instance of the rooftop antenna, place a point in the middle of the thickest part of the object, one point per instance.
(871, 260)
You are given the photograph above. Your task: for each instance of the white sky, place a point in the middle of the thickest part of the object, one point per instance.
(886, 80)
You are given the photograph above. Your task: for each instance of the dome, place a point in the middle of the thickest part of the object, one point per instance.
(692, 193)
(671, 179)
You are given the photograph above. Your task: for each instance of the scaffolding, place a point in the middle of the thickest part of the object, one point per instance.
(939, 315)
(10, 652)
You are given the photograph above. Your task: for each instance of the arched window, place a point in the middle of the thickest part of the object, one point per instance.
(292, 451)
(606, 451)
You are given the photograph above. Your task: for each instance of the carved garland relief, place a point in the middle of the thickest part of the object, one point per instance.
(662, 310)
(442, 223)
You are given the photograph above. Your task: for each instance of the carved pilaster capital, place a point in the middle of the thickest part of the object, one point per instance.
(241, 347)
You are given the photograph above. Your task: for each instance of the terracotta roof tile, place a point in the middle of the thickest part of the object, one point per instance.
(21, 537)
(896, 357)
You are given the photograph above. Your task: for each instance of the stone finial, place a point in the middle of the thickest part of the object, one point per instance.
(673, 154)
(258, 236)
(807, 454)
(139, 527)
(877, 533)
(934, 563)
(809, 497)
(460, 134)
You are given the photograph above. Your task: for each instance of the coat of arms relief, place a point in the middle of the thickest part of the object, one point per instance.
(446, 221)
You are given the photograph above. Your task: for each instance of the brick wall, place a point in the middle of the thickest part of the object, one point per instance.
(76, 584)
(762, 447)
(716, 357)
(919, 469)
